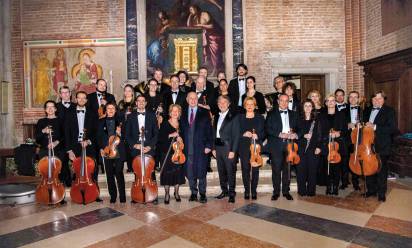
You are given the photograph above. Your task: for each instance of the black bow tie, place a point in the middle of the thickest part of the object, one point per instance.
(283, 111)
(66, 103)
(241, 79)
(80, 111)
(290, 100)
(356, 107)
(140, 113)
(376, 108)
(174, 92)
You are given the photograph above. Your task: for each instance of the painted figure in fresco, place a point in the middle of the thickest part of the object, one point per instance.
(86, 72)
(59, 70)
(42, 78)
(194, 16)
(213, 43)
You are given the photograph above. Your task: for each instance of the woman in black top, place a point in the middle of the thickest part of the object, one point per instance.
(172, 174)
(315, 97)
(153, 98)
(44, 126)
(248, 122)
(126, 107)
(309, 149)
(184, 81)
(107, 127)
(221, 90)
(336, 120)
(252, 92)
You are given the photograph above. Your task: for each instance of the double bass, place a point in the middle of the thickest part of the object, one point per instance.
(363, 161)
(50, 190)
(144, 189)
(255, 152)
(84, 189)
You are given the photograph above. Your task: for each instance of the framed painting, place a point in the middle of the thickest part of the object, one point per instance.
(50, 64)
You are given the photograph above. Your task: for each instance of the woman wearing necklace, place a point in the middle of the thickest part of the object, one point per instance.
(171, 174)
(252, 92)
(126, 107)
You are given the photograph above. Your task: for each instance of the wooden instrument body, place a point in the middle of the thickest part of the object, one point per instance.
(101, 112)
(178, 156)
(110, 151)
(84, 190)
(333, 155)
(255, 153)
(363, 161)
(144, 189)
(50, 190)
(292, 156)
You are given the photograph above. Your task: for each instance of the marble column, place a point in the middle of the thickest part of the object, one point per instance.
(237, 30)
(131, 40)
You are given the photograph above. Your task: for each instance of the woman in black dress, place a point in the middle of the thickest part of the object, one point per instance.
(336, 120)
(248, 122)
(154, 99)
(252, 92)
(184, 81)
(171, 174)
(309, 149)
(126, 107)
(315, 97)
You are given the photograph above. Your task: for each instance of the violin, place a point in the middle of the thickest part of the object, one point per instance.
(101, 111)
(158, 113)
(111, 151)
(333, 147)
(363, 161)
(255, 152)
(144, 189)
(292, 157)
(84, 189)
(178, 156)
(50, 190)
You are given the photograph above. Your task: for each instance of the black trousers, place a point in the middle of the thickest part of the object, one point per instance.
(128, 157)
(306, 173)
(378, 183)
(114, 173)
(250, 183)
(280, 169)
(227, 170)
(334, 174)
(344, 172)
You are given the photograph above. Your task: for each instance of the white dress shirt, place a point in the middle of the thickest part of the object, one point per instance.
(373, 115)
(80, 121)
(285, 121)
(194, 113)
(242, 89)
(290, 104)
(340, 106)
(354, 115)
(174, 96)
(99, 97)
(222, 117)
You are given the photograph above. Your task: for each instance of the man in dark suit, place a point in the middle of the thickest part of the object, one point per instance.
(64, 107)
(278, 83)
(340, 100)
(226, 135)
(80, 125)
(197, 133)
(382, 118)
(208, 88)
(173, 96)
(281, 125)
(237, 87)
(289, 88)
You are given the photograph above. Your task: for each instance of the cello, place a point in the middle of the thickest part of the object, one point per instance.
(50, 190)
(255, 152)
(144, 189)
(333, 151)
(84, 190)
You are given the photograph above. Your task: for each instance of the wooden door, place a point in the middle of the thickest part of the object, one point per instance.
(311, 82)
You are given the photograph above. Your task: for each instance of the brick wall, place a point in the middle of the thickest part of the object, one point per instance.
(57, 19)
(292, 25)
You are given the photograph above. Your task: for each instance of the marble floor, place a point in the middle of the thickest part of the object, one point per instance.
(321, 221)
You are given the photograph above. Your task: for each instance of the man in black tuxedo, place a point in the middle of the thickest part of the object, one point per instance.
(382, 118)
(197, 134)
(163, 87)
(94, 101)
(208, 88)
(63, 108)
(226, 135)
(281, 125)
(174, 95)
(80, 122)
(340, 100)
(237, 87)
(278, 83)
(289, 88)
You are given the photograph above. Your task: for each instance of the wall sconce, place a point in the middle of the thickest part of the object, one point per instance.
(4, 97)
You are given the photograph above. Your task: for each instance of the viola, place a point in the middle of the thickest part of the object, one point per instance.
(292, 157)
(84, 189)
(255, 152)
(50, 190)
(101, 111)
(111, 151)
(144, 189)
(178, 156)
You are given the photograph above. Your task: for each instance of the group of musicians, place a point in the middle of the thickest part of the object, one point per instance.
(219, 122)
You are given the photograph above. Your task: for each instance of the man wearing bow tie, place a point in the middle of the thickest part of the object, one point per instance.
(174, 96)
(63, 108)
(353, 117)
(382, 119)
(289, 88)
(281, 125)
(237, 87)
(208, 87)
(340, 100)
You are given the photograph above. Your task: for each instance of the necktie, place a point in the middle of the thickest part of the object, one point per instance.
(192, 117)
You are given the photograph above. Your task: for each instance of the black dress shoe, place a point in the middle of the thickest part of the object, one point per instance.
(231, 199)
(368, 194)
(122, 200)
(254, 196)
(343, 186)
(382, 198)
(310, 194)
(247, 196)
(222, 195)
(177, 197)
(274, 197)
(167, 199)
(328, 190)
(288, 197)
(335, 190)
(193, 197)
(112, 200)
(203, 198)
(99, 200)
(356, 187)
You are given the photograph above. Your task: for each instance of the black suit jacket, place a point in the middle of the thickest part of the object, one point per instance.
(229, 131)
(234, 91)
(133, 132)
(209, 92)
(168, 100)
(260, 102)
(93, 103)
(71, 132)
(273, 128)
(385, 127)
(62, 111)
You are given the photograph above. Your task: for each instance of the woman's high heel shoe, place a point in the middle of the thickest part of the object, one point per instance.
(177, 197)
(167, 199)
